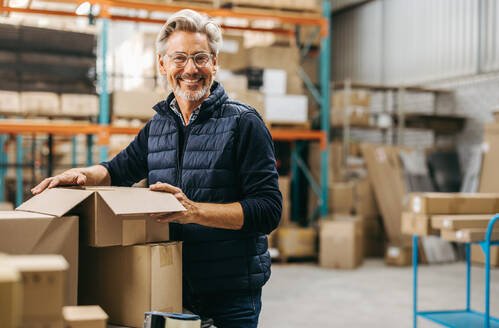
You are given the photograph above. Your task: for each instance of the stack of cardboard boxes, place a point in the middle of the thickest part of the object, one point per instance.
(123, 257)
(350, 108)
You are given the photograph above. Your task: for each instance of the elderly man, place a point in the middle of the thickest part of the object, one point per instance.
(216, 156)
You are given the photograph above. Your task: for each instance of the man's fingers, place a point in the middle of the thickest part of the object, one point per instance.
(81, 179)
(41, 186)
(161, 186)
(55, 181)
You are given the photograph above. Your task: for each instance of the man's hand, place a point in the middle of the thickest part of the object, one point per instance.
(69, 177)
(192, 213)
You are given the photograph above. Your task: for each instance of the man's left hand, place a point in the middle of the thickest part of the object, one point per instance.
(192, 213)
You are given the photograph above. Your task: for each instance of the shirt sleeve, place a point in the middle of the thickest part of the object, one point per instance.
(130, 165)
(258, 178)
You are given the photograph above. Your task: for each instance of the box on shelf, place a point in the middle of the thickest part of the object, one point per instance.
(341, 243)
(468, 235)
(342, 197)
(417, 224)
(109, 215)
(129, 281)
(285, 188)
(10, 102)
(33, 233)
(286, 108)
(232, 56)
(85, 316)
(477, 255)
(489, 178)
(10, 294)
(454, 203)
(274, 81)
(79, 105)
(358, 98)
(460, 221)
(357, 116)
(135, 104)
(398, 255)
(294, 241)
(42, 285)
(286, 58)
(254, 98)
(232, 82)
(40, 103)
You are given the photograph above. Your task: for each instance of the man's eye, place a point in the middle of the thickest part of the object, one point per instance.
(202, 58)
(179, 58)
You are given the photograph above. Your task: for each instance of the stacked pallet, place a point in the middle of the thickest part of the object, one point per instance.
(456, 217)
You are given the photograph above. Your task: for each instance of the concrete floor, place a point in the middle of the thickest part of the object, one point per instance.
(375, 295)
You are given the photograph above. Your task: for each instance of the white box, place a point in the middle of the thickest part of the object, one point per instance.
(79, 105)
(286, 108)
(10, 102)
(36, 103)
(274, 81)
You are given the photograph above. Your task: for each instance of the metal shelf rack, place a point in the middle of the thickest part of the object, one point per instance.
(321, 95)
(460, 318)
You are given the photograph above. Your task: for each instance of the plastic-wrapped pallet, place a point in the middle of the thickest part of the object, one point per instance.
(79, 105)
(10, 102)
(40, 103)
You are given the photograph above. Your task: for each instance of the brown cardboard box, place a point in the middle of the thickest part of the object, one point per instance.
(233, 56)
(43, 285)
(467, 235)
(357, 116)
(254, 98)
(128, 281)
(489, 180)
(365, 204)
(79, 105)
(417, 224)
(385, 175)
(10, 102)
(33, 233)
(286, 58)
(374, 238)
(454, 203)
(109, 215)
(359, 98)
(341, 197)
(135, 104)
(294, 241)
(44, 323)
(341, 243)
(10, 294)
(456, 222)
(285, 188)
(40, 103)
(398, 255)
(5, 206)
(477, 255)
(90, 316)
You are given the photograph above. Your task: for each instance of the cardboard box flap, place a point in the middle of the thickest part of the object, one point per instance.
(56, 201)
(140, 201)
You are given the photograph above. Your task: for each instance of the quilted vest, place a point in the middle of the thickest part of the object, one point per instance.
(214, 260)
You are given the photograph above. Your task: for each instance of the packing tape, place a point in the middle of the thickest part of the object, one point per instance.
(393, 252)
(416, 204)
(165, 257)
(447, 223)
(460, 234)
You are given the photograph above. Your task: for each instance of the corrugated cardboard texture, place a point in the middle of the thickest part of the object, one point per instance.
(55, 201)
(341, 243)
(128, 281)
(417, 224)
(134, 231)
(477, 255)
(385, 175)
(32, 233)
(489, 176)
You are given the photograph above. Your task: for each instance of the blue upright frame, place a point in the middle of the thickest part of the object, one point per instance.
(459, 318)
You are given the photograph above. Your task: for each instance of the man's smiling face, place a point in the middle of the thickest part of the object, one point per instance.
(190, 82)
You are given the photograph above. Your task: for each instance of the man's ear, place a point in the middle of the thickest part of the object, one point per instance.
(161, 64)
(215, 64)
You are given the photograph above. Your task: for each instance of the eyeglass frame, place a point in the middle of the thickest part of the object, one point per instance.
(210, 55)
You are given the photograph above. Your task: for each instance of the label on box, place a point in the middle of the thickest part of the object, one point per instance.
(447, 223)
(416, 204)
(393, 252)
(459, 235)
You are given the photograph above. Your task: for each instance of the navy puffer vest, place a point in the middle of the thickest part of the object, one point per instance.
(214, 260)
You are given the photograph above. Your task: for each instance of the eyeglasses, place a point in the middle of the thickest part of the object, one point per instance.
(201, 59)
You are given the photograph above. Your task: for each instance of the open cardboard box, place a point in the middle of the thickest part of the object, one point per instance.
(109, 216)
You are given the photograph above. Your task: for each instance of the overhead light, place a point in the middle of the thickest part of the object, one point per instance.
(83, 9)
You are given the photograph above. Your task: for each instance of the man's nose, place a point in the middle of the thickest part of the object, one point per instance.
(190, 66)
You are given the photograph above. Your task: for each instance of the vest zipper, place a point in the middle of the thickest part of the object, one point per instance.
(180, 160)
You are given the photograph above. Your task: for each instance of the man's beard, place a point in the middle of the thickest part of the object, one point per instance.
(186, 95)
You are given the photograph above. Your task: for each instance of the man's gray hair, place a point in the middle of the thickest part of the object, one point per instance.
(190, 21)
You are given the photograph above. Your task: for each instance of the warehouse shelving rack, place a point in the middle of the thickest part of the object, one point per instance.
(103, 129)
(460, 318)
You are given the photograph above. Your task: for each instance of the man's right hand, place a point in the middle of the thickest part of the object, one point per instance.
(69, 177)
